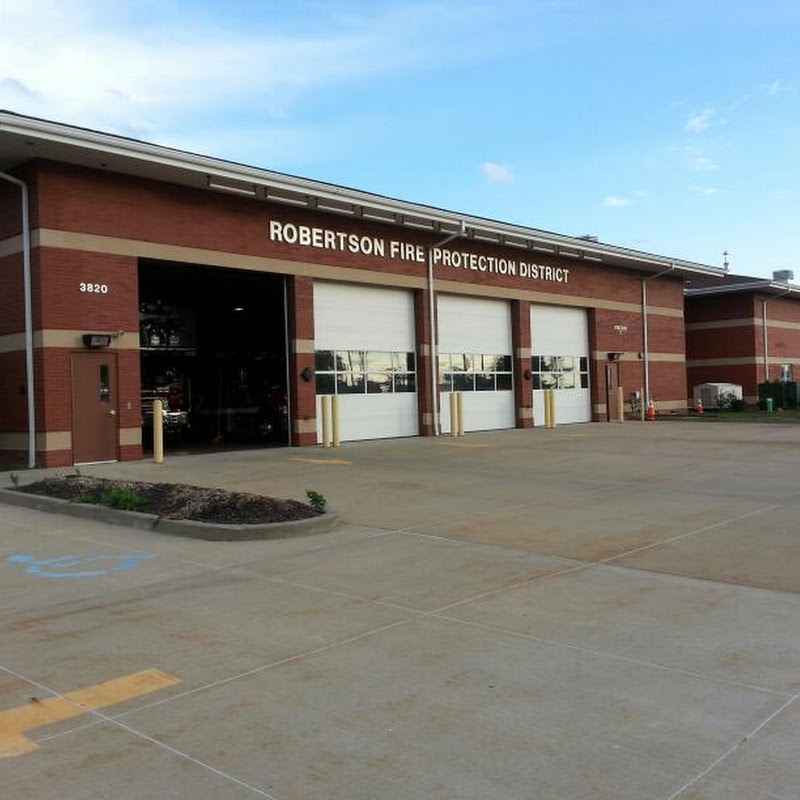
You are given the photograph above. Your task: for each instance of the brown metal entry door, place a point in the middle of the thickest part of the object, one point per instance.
(94, 407)
(612, 384)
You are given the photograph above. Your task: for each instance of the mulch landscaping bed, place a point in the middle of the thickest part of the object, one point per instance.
(177, 501)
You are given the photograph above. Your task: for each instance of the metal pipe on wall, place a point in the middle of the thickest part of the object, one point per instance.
(26, 269)
(288, 357)
(432, 322)
(765, 331)
(645, 338)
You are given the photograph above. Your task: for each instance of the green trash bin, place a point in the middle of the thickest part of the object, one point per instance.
(769, 405)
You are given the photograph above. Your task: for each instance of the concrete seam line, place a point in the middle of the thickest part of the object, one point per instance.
(612, 656)
(344, 595)
(231, 678)
(144, 736)
(420, 614)
(601, 562)
(730, 751)
(705, 528)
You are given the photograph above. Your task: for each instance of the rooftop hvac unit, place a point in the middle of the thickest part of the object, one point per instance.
(717, 395)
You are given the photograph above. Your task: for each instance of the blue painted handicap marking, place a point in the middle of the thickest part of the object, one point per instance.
(76, 566)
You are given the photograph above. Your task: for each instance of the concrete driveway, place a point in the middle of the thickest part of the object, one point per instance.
(598, 611)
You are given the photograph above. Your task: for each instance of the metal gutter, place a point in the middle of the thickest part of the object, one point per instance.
(26, 271)
(750, 286)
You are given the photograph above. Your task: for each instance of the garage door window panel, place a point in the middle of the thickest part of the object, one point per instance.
(560, 372)
(474, 372)
(365, 372)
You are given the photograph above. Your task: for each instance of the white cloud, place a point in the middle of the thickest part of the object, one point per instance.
(147, 66)
(699, 121)
(612, 201)
(707, 191)
(776, 87)
(497, 173)
(703, 164)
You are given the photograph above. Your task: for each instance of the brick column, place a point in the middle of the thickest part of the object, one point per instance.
(424, 362)
(521, 342)
(303, 393)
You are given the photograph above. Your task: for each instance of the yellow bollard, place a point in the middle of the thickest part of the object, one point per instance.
(335, 419)
(158, 432)
(325, 404)
(453, 414)
(460, 412)
(620, 405)
(550, 408)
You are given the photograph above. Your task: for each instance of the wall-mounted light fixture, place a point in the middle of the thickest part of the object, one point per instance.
(307, 374)
(615, 356)
(95, 340)
(527, 374)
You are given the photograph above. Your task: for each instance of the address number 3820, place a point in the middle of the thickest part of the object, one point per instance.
(93, 288)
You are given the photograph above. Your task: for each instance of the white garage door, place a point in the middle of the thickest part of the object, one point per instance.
(560, 347)
(364, 339)
(475, 359)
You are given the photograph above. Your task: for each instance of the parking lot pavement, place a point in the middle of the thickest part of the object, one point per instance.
(592, 612)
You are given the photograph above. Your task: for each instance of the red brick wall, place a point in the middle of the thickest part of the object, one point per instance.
(301, 329)
(12, 311)
(95, 202)
(62, 303)
(86, 201)
(10, 209)
(422, 321)
(521, 341)
(741, 342)
(13, 394)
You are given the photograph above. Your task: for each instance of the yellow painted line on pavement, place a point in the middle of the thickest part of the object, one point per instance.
(16, 721)
(320, 460)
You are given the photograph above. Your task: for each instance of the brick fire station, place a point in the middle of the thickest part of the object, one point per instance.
(241, 297)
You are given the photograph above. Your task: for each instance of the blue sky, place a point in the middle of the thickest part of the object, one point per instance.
(671, 126)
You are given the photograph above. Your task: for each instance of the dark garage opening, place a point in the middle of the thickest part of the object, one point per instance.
(213, 350)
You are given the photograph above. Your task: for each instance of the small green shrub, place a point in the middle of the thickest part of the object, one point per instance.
(83, 498)
(316, 500)
(123, 499)
(14, 478)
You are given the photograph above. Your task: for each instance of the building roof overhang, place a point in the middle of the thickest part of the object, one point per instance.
(753, 285)
(24, 138)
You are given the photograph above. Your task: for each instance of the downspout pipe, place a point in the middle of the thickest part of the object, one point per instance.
(434, 388)
(26, 270)
(764, 327)
(645, 338)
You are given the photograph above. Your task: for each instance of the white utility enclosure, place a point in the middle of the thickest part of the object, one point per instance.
(717, 395)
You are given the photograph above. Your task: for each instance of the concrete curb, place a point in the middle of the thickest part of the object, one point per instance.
(189, 529)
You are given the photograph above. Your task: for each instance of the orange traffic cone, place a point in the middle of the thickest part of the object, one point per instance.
(650, 414)
(698, 406)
